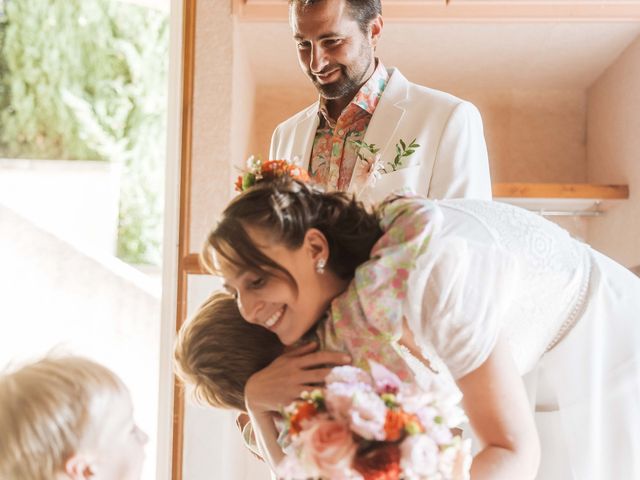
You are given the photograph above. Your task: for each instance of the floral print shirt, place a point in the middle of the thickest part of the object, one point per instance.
(334, 155)
(366, 320)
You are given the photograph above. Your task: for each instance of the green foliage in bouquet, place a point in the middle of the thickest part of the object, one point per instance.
(86, 79)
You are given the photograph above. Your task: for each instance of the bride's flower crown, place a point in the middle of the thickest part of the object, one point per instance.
(257, 170)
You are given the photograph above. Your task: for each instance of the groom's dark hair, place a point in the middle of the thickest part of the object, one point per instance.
(362, 11)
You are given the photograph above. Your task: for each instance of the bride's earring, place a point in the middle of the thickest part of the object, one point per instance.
(320, 264)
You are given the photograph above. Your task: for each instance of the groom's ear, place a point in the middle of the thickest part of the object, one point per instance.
(375, 31)
(316, 244)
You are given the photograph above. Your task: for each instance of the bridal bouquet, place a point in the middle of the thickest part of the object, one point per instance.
(372, 426)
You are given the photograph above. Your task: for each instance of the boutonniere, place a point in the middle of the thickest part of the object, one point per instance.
(369, 153)
(403, 151)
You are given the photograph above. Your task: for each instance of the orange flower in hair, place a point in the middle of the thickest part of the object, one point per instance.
(257, 171)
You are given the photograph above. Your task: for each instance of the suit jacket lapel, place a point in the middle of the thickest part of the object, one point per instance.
(386, 118)
(303, 135)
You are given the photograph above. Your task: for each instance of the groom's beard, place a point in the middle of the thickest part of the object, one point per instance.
(351, 78)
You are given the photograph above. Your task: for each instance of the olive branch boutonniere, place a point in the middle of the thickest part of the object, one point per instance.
(403, 152)
(370, 154)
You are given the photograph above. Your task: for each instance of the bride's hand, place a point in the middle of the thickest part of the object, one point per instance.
(287, 376)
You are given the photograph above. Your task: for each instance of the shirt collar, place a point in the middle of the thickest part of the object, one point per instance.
(367, 97)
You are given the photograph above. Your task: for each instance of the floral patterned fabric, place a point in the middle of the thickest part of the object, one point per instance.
(366, 320)
(334, 155)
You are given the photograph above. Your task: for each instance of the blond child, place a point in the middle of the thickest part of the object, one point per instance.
(67, 418)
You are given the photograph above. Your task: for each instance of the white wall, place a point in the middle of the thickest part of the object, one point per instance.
(244, 92)
(614, 154)
(212, 116)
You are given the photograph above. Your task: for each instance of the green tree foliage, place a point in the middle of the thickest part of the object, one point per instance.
(87, 80)
(4, 87)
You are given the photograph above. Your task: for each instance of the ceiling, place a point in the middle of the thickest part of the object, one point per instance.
(461, 56)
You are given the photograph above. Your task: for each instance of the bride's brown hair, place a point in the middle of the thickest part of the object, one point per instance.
(285, 209)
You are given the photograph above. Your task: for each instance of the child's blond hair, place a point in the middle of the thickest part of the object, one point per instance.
(45, 414)
(217, 351)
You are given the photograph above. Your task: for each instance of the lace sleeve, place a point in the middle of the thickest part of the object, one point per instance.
(459, 292)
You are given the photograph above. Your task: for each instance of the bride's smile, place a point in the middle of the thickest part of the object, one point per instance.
(291, 297)
(272, 321)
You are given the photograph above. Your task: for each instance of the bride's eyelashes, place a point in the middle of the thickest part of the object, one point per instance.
(248, 284)
(256, 283)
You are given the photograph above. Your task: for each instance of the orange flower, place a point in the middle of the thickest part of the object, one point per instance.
(269, 170)
(299, 173)
(274, 166)
(304, 411)
(394, 425)
(379, 464)
(238, 183)
(279, 168)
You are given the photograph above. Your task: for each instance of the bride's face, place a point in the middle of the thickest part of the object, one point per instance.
(287, 308)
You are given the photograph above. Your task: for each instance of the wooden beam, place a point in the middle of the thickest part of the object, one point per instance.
(188, 68)
(560, 190)
(468, 11)
(193, 266)
(543, 11)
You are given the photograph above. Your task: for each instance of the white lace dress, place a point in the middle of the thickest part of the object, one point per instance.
(571, 316)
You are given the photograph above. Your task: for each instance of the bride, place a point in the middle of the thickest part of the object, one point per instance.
(540, 332)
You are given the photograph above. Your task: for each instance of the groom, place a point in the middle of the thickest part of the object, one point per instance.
(365, 108)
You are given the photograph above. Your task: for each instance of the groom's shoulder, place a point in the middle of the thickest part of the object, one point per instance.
(421, 95)
(298, 117)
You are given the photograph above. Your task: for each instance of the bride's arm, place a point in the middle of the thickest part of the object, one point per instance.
(499, 412)
(495, 401)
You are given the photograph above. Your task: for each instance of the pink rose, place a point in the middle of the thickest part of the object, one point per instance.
(328, 445)
(419, 457)
(338, 397)
(367, 416)
(413, 398)
(384, 380)
(348, 374)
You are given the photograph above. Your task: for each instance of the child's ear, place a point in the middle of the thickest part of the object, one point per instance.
(78, 467)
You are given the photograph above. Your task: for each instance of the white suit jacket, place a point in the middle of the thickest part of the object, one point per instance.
(452, 158)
